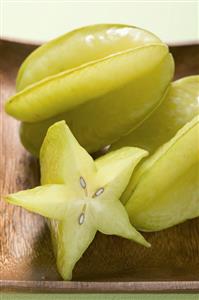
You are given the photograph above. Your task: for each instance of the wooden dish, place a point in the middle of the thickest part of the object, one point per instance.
(111, 264)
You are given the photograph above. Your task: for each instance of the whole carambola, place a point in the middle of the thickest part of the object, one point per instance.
(179, 106)
(103, 80)
(165, 189)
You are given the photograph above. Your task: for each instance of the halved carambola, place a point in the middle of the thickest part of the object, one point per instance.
(179, 106)
(165, 189)
(101, 95)
(80, 196)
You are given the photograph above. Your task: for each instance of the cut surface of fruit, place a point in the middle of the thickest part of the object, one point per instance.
(179, 106)
(79, 195)
(79, 47)
(164, 191)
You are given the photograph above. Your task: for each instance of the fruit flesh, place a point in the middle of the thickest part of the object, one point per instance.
(79, 47)
(118, 111)
(165, 189)
(79, 195)
(178, 107)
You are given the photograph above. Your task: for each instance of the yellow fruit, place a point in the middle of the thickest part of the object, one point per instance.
(80, 196)
(165, 189)
(102, 94)
(179, 106)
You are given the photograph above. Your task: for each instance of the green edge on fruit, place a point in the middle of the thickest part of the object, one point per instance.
(119, 110)
(100, 85)
(69, 89)
(179, 106)
(164, 190)
(79, 47)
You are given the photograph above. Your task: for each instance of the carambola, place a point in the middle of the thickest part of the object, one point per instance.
(164, 191)
(103, 80)
(79, 195)
(178, 107)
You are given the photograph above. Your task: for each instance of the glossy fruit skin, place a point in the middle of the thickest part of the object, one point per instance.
(179, 106)
(116, 110)
(110, 100)
(121, 74)
(165, 189)
(79, 47)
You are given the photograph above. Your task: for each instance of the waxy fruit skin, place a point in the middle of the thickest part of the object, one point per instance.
(101, 94)
(164, 191)
(79, 47)
(179, 106)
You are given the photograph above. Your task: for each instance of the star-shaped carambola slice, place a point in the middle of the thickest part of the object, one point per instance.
(79, 195)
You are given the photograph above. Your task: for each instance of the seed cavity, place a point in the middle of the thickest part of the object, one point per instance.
(81, 218)
(98, 192)
(82, 182)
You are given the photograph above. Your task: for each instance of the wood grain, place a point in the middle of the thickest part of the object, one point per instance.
(111, 263)
(102, 287)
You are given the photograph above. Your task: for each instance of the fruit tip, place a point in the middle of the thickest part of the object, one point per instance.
(6, 105)
(58, 124)
(148, 245)
(145, 243)
(9, 198)
(6, 198)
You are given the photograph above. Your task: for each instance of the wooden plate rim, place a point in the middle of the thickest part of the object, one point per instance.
(102, 287)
